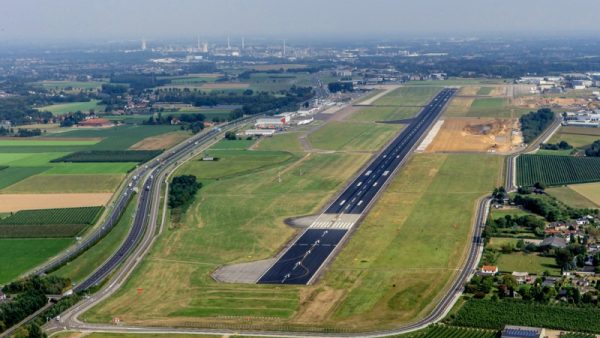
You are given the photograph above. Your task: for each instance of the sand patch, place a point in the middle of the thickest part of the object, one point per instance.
(469, 90)
(16, 202)
(164, 141)
(477, 135)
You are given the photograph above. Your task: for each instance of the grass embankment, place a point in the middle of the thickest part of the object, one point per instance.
(394, 266)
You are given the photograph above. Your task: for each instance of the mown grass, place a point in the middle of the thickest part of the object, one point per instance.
(404, 253)
(63, 108)
(237, 217)
(353, 136)
(532, 263)
(18, 256)
(408, 96)
(489, 107)
(281, 142)
(572, 198)
(375, 113)
(576, 140)
(13, 175)
(90, 168)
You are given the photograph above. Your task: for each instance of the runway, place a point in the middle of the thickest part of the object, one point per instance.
(300, 262)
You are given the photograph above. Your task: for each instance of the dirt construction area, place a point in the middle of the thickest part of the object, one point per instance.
(477, 135)
(556, 102)
(16, 202)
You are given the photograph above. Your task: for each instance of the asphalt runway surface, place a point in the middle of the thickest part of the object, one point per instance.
(361, 192)
(300, 262)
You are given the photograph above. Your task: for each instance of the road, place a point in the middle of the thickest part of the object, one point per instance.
(305, 257)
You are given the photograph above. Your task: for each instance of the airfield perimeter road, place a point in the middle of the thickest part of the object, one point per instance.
(301, 261)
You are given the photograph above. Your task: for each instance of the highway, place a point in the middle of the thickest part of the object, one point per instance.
(302, 260)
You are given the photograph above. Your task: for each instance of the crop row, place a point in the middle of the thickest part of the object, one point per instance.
(557, 170)
(69, 216)
(110, 156)
(441, 331)
(494, 315)
(40, 230)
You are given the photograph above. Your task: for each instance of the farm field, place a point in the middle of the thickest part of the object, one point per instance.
(117, 138)
(494, 315)
(220, 228)
(577, 137)
(82, 266)
(83, 215)
(531, 263)
(353, 136)
(26, 253)
(90, 168)
(571, 196)
(89, 156)
(590, 191)
(476, 135)
(408, 96)
(557, 170)
(346, 296)
(442, 331)
(75, 183)
(13, 175)
(16, 202)
(63, 108)
(160, 142)
(45, 142)
(374, 113)
(63, 85)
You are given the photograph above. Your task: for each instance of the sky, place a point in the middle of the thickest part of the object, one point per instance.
(35, 20)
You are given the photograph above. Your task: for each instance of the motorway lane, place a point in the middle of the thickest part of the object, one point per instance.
(356, 197)
(361, 192)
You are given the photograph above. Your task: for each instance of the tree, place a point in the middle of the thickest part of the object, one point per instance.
(35, 331)
(564, 258)
(230, 135)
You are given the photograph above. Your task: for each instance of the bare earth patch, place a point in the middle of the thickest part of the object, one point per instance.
(469, 90)
(476, 135)
(16, 202)
(536, 101)
(164, 141)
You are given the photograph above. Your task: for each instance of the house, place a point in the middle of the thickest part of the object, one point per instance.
(549, 282)
(489, 270)
(511, 331)
(554, 243)
(2, 297)
(521, 277)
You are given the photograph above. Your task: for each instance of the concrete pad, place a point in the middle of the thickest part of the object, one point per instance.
(247, 273)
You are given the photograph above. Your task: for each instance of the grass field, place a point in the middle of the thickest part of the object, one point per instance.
(497, 213)
(281, 142)
(496, 243)
(375, 113)
(90, 168)
(532, 263)
(408, 96)
(85, 264)
(64, 85)
(489, 107)
(35, 142)
(387, 274)
(75, 183)
(577, 137)
(28, 159)
(590, 191)
(232, 144)
(403, 255)
(235, 217)
(20, 255)
(484, 90)
(353, 136)
(13, 175)
(571, 197)
(63, 108)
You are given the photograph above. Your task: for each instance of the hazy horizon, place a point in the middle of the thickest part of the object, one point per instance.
(38, 20)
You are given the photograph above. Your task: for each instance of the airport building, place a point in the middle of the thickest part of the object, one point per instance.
(271, 123)
(582, 118)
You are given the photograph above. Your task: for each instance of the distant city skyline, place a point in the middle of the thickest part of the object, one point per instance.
(37, 20)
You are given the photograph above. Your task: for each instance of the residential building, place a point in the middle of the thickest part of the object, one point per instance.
(489, 270)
